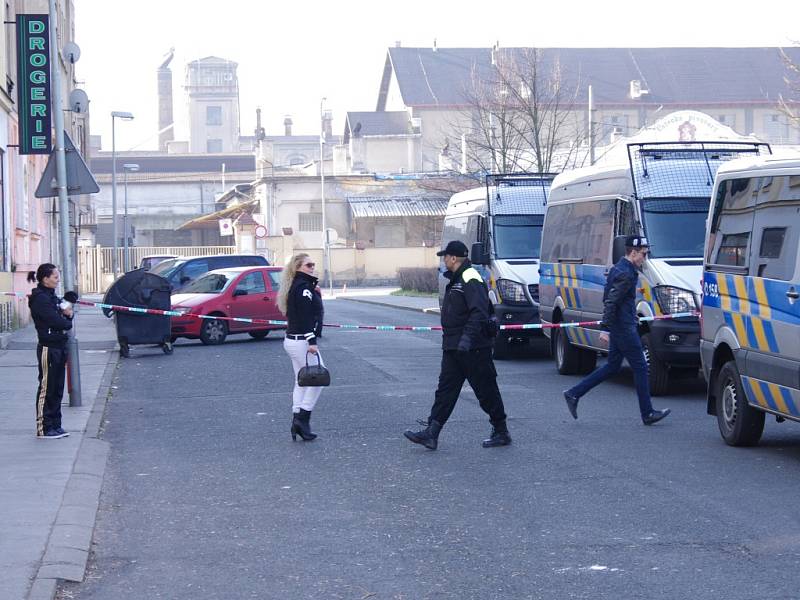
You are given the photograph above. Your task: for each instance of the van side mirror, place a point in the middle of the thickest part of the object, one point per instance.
(479, 255)
(618, 250)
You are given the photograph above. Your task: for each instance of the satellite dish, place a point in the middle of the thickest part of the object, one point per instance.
(78, 101)
(72, 52)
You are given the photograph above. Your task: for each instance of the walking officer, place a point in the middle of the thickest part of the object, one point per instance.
(621, 322)
(467, 352)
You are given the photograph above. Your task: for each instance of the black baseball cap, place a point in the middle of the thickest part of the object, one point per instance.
(636, 241)
(454, 248)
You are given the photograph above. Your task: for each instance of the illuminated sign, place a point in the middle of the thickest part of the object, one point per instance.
(33, 84)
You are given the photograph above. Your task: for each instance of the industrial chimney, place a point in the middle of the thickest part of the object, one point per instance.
(165, 118)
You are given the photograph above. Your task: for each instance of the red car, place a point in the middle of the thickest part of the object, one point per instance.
(248, 292)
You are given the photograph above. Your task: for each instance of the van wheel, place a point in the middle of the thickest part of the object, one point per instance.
(502, 347)
(567, 356)
(213, 332)
(739, 423)
(657, 371)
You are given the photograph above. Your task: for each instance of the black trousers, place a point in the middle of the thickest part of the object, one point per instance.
(476, 367)
(52, 368)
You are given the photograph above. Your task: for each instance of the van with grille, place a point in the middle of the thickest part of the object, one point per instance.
(662, 193)
(501, 222)
(750, 339)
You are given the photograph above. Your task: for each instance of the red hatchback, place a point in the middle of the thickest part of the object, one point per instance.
(245, 292)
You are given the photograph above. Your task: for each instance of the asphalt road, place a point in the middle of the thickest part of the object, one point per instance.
(206, 496)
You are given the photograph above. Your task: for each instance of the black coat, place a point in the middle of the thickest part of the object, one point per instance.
(465, 311)
(51, 324)
(619, 296)
(304, 311)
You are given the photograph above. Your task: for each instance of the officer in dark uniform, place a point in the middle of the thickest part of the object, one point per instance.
(621, 322)
(467, 351)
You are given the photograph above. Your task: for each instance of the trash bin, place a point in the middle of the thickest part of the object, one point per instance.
(140, 289)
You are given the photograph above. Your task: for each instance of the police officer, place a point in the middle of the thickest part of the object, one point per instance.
(52, 318)
(467, 352)
(621, 322)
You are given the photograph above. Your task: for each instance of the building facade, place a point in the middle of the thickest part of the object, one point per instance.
(212, 88)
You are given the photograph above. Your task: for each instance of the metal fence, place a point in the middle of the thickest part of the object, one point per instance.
(95, 262)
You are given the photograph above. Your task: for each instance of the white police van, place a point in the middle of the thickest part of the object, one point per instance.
(750, 343)
(663, 193)
(501, 223)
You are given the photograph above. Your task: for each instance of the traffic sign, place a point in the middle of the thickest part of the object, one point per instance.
(79, 179)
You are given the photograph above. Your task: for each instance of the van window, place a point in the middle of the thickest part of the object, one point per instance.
(580, 231)
(456, 228)
(731, 222)
(776, 233)
(518, 236)
(675, 227)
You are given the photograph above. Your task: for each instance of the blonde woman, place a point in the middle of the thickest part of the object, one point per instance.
(301, 302)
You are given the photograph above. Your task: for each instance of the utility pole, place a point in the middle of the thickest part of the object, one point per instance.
(591, 126)
(73, 361)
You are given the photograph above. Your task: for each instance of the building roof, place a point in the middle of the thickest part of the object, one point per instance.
(397, 206)
(366, 124)
(442, 77)
(174, 163)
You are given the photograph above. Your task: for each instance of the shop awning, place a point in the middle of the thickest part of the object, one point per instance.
(403, 206)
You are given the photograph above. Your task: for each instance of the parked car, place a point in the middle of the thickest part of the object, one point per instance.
(183, 270)
(148, 262)
(244, 292)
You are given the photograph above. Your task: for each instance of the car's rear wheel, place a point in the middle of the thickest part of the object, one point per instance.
(213, 332)
(739, 423)
(258, 335)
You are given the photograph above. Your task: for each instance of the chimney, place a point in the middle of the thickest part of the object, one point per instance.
(398, 44)
(165, 117)
(327, 125)
(260, 133)
(435, 47)
(287, 126)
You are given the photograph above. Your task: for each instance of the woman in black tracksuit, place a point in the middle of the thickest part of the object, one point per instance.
(52, 320)
(300, 300)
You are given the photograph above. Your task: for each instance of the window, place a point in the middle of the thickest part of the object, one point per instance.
(194, 269)
(732, 222)
(727, 119)
(252, 283)
(309, 221)
(733, 250)
(579, 232)
(776, 128)
(214, 146)
(213, 115)
(772, 242)
(275, 280)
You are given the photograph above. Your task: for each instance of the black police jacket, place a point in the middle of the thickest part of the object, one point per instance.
(619, 296)
(465, 310)
(304, 311)
(51, 325)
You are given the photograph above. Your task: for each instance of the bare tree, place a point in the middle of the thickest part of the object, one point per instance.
(524, 116)
(789, 106)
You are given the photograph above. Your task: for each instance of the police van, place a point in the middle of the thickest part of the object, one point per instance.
(750, 344)
(501, 223)
(663, 193)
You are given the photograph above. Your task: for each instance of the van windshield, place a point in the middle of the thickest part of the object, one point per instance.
(517, 236)
(675, 227)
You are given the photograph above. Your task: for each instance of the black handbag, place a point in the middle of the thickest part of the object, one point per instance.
(313, 375)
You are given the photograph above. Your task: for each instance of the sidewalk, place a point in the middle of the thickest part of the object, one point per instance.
(51, 487)
(382, 296)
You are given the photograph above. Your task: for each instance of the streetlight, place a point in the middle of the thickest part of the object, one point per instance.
(128, 168)
(326, 260)
(125, 116)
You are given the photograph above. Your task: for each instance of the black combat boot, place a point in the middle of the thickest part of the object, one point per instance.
(302, 427)
(428, 437)
(499, 436)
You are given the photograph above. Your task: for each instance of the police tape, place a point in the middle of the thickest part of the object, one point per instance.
(254, 321)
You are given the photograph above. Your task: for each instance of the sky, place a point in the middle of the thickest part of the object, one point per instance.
(292, 54)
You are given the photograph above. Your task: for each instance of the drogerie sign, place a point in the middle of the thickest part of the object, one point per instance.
(33, 84)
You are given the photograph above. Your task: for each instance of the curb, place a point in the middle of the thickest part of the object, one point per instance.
(68, 546)
(429, 311)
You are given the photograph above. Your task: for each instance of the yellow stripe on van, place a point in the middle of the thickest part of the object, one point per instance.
(741, 292)
(573, 297)
(573, 273)
(758, 393)
(761, 337)
(777, 397)
(724, 294)
(761, 297)
(739, 326)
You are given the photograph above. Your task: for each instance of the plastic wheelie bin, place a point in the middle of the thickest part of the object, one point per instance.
(140, 289)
